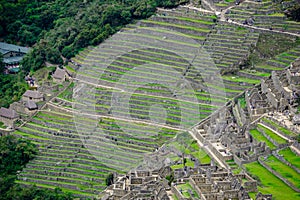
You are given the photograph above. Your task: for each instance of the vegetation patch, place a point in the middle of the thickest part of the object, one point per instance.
(269, 183)
(273, 135)
(290, 156)
(261, 138)
(186, 189)
(284, 170)
(270, 45)
(282, 129)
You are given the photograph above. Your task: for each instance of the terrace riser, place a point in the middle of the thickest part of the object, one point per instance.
(280, 65)
(79, 141)
(45, 169)
(176, 29)
(61, 185)
(79, 195)
(235, 87)
(180, 22)
(251, 76)
(36, 173)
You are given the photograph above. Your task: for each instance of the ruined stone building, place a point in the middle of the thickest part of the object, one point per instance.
(8, 116)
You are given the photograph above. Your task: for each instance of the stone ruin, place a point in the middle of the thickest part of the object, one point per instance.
(140, 184)
(215, 183)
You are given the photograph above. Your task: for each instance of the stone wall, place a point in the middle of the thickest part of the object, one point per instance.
(296, 145)
(8, 122)
(49, 88)
(177, 193)
(270, 95)
(5, 132)
(32, 99)
(292, 79)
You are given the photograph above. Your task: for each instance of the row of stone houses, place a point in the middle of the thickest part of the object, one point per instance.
(140, 185)
(8, 116)
(27, 105)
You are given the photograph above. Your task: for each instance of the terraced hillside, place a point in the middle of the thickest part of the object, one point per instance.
(65, 161)
(135, 91)
(265, 14)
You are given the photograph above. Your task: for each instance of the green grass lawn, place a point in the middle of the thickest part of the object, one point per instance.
(191, 149)
(284, 170)
(68, 93)
(261, 138)
(280, 128)
(202, 156)
(237, 170)
(270, 67)
(185, 192)
(274, 136)
(291, 157)
(270, 184)
(70, 68)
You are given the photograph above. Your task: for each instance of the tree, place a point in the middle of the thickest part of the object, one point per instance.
(14, 154)
(1, 64)
(109, 179)
(170, 178)
(294, 13)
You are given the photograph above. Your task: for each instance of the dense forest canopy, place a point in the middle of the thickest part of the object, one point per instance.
(63, 27)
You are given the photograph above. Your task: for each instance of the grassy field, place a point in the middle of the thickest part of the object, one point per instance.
(291, 157)
(240, 79)
(280, 128)
(261, 138)
(274, 136)
(270, 184)
(284, 170)
(185, 143)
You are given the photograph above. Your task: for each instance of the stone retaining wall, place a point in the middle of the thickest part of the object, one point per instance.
(177, 193)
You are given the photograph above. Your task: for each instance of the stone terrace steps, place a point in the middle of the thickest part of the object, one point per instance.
(64, 161)
(280, 61)
(265, 16)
